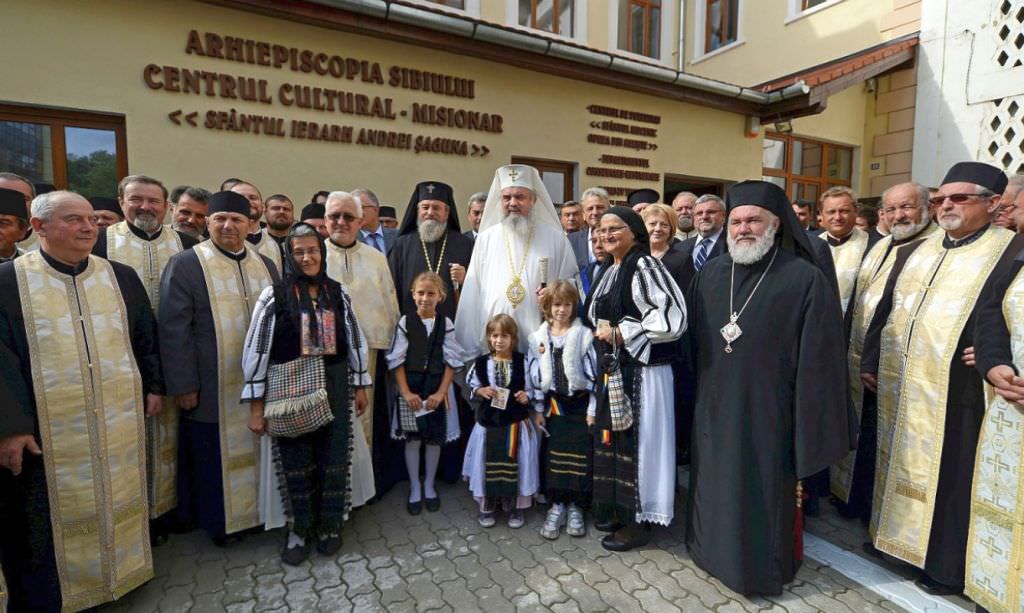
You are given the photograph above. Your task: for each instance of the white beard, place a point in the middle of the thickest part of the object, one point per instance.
(517, 225)
(431, 231)
(951, 224)
(747, 254)
(146, 222)
(904, 231)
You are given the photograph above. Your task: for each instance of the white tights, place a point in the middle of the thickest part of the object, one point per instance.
(412, 465)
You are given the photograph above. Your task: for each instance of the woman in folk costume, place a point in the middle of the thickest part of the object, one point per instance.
(638, 312)
(501, 455)
(305, 371)
(562, 365)
(423, 358)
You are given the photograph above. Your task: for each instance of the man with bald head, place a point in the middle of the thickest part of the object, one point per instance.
(80, 371)
(683, 205)
(906, 207)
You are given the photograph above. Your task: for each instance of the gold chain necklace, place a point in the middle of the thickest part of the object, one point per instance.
(515, 292)
(440, 257)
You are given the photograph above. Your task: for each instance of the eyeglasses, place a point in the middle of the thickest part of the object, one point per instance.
(347, 217)
(905, 208)
(954, 198)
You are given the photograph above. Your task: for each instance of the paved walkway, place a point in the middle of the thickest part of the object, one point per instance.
(445, 561)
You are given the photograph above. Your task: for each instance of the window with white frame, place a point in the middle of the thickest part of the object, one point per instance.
(640, 27)
(721, 23)
(555, 16)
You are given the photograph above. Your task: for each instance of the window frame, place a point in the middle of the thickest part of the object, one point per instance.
(798, 9)
(724, 24)
(786, 173)
(700, 32)
(573, 15)
(568, 169)
(648, 44)
(58, 120)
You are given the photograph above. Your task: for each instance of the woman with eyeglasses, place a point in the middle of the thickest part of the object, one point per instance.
(304, 363)
(638, 312)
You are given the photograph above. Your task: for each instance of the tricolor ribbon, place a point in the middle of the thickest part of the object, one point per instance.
(606, 438)
(513, 439)
(555, 409)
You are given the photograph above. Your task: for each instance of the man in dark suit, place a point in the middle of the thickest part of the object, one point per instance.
(373, 233)
(476, 213)
(595, 201)
(709, 242)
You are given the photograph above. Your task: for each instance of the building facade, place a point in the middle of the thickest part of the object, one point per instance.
(335, 94)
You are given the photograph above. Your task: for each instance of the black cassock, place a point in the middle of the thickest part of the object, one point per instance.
(26, 537)
(406, 260)
(773, 411)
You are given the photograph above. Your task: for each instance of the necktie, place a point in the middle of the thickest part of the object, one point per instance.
(702, 254)
(375, 242)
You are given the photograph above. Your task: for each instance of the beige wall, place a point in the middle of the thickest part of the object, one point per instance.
(95, 53)
(842, 122)
(773, 48)
(892, 141)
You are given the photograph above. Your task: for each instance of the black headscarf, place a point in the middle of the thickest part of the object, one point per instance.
(640, 196)
(635, 223)
(296, 283)
(429, 190)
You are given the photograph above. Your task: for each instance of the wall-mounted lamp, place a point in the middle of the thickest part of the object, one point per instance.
(784, 127)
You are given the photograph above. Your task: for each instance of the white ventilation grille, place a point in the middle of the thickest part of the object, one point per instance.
(1010, 31)
(1003, 134)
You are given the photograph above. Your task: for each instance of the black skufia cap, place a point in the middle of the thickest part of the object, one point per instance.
(312, 210)
(985, 175)
(229, 202)
(388, 211)
(12, 202)
(103, 203)
(639, 196)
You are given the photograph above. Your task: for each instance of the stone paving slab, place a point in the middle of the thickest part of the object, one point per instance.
(445, 561)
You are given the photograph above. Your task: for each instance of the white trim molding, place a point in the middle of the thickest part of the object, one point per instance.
(796, 12)
(472, 7)
(579, 22)
(670, 9)
(700, 25)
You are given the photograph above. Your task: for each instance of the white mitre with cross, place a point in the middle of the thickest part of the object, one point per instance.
(519, 175)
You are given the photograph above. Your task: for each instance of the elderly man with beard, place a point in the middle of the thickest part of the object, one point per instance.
(189, 211)
(1006, 214)
(772, 405)
(430, 238)
(683, 204)
(363, 272)
(930, 402)
(853, 478)
(520, 248)
(142, 242)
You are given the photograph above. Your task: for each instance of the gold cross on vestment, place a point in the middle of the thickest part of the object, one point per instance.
(513, 174)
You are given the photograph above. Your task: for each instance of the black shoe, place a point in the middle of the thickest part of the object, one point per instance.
(328, 546)
(432, 504)
(414, 508)
(870, 549)
(935, 588)
(220, 541)
(293, 556)
(607, 526)
(625, 539)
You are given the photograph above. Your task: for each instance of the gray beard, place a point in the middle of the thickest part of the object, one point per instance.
(147, 223)
(685, 223)
(431, 231)
(750, 254)
(904, 231)
(950, 224)
(517, 224)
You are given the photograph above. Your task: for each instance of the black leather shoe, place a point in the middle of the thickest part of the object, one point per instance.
(432, 504)
(607, 526)
(328, 546)
(414, 508)
(293, 556)
(625, 539)
(935, 588)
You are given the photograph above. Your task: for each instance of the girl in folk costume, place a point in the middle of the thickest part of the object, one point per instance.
(562, 365)
(304, 363)
(501, 455)
(424, 356)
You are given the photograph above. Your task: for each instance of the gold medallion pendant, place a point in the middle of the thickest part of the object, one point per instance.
(515, 293)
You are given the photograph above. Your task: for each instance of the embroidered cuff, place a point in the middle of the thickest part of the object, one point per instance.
(635, 340)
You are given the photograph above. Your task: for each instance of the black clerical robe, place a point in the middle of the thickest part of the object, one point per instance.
(26, 538)
(965, 408)
(771, 412)
(406, 260)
